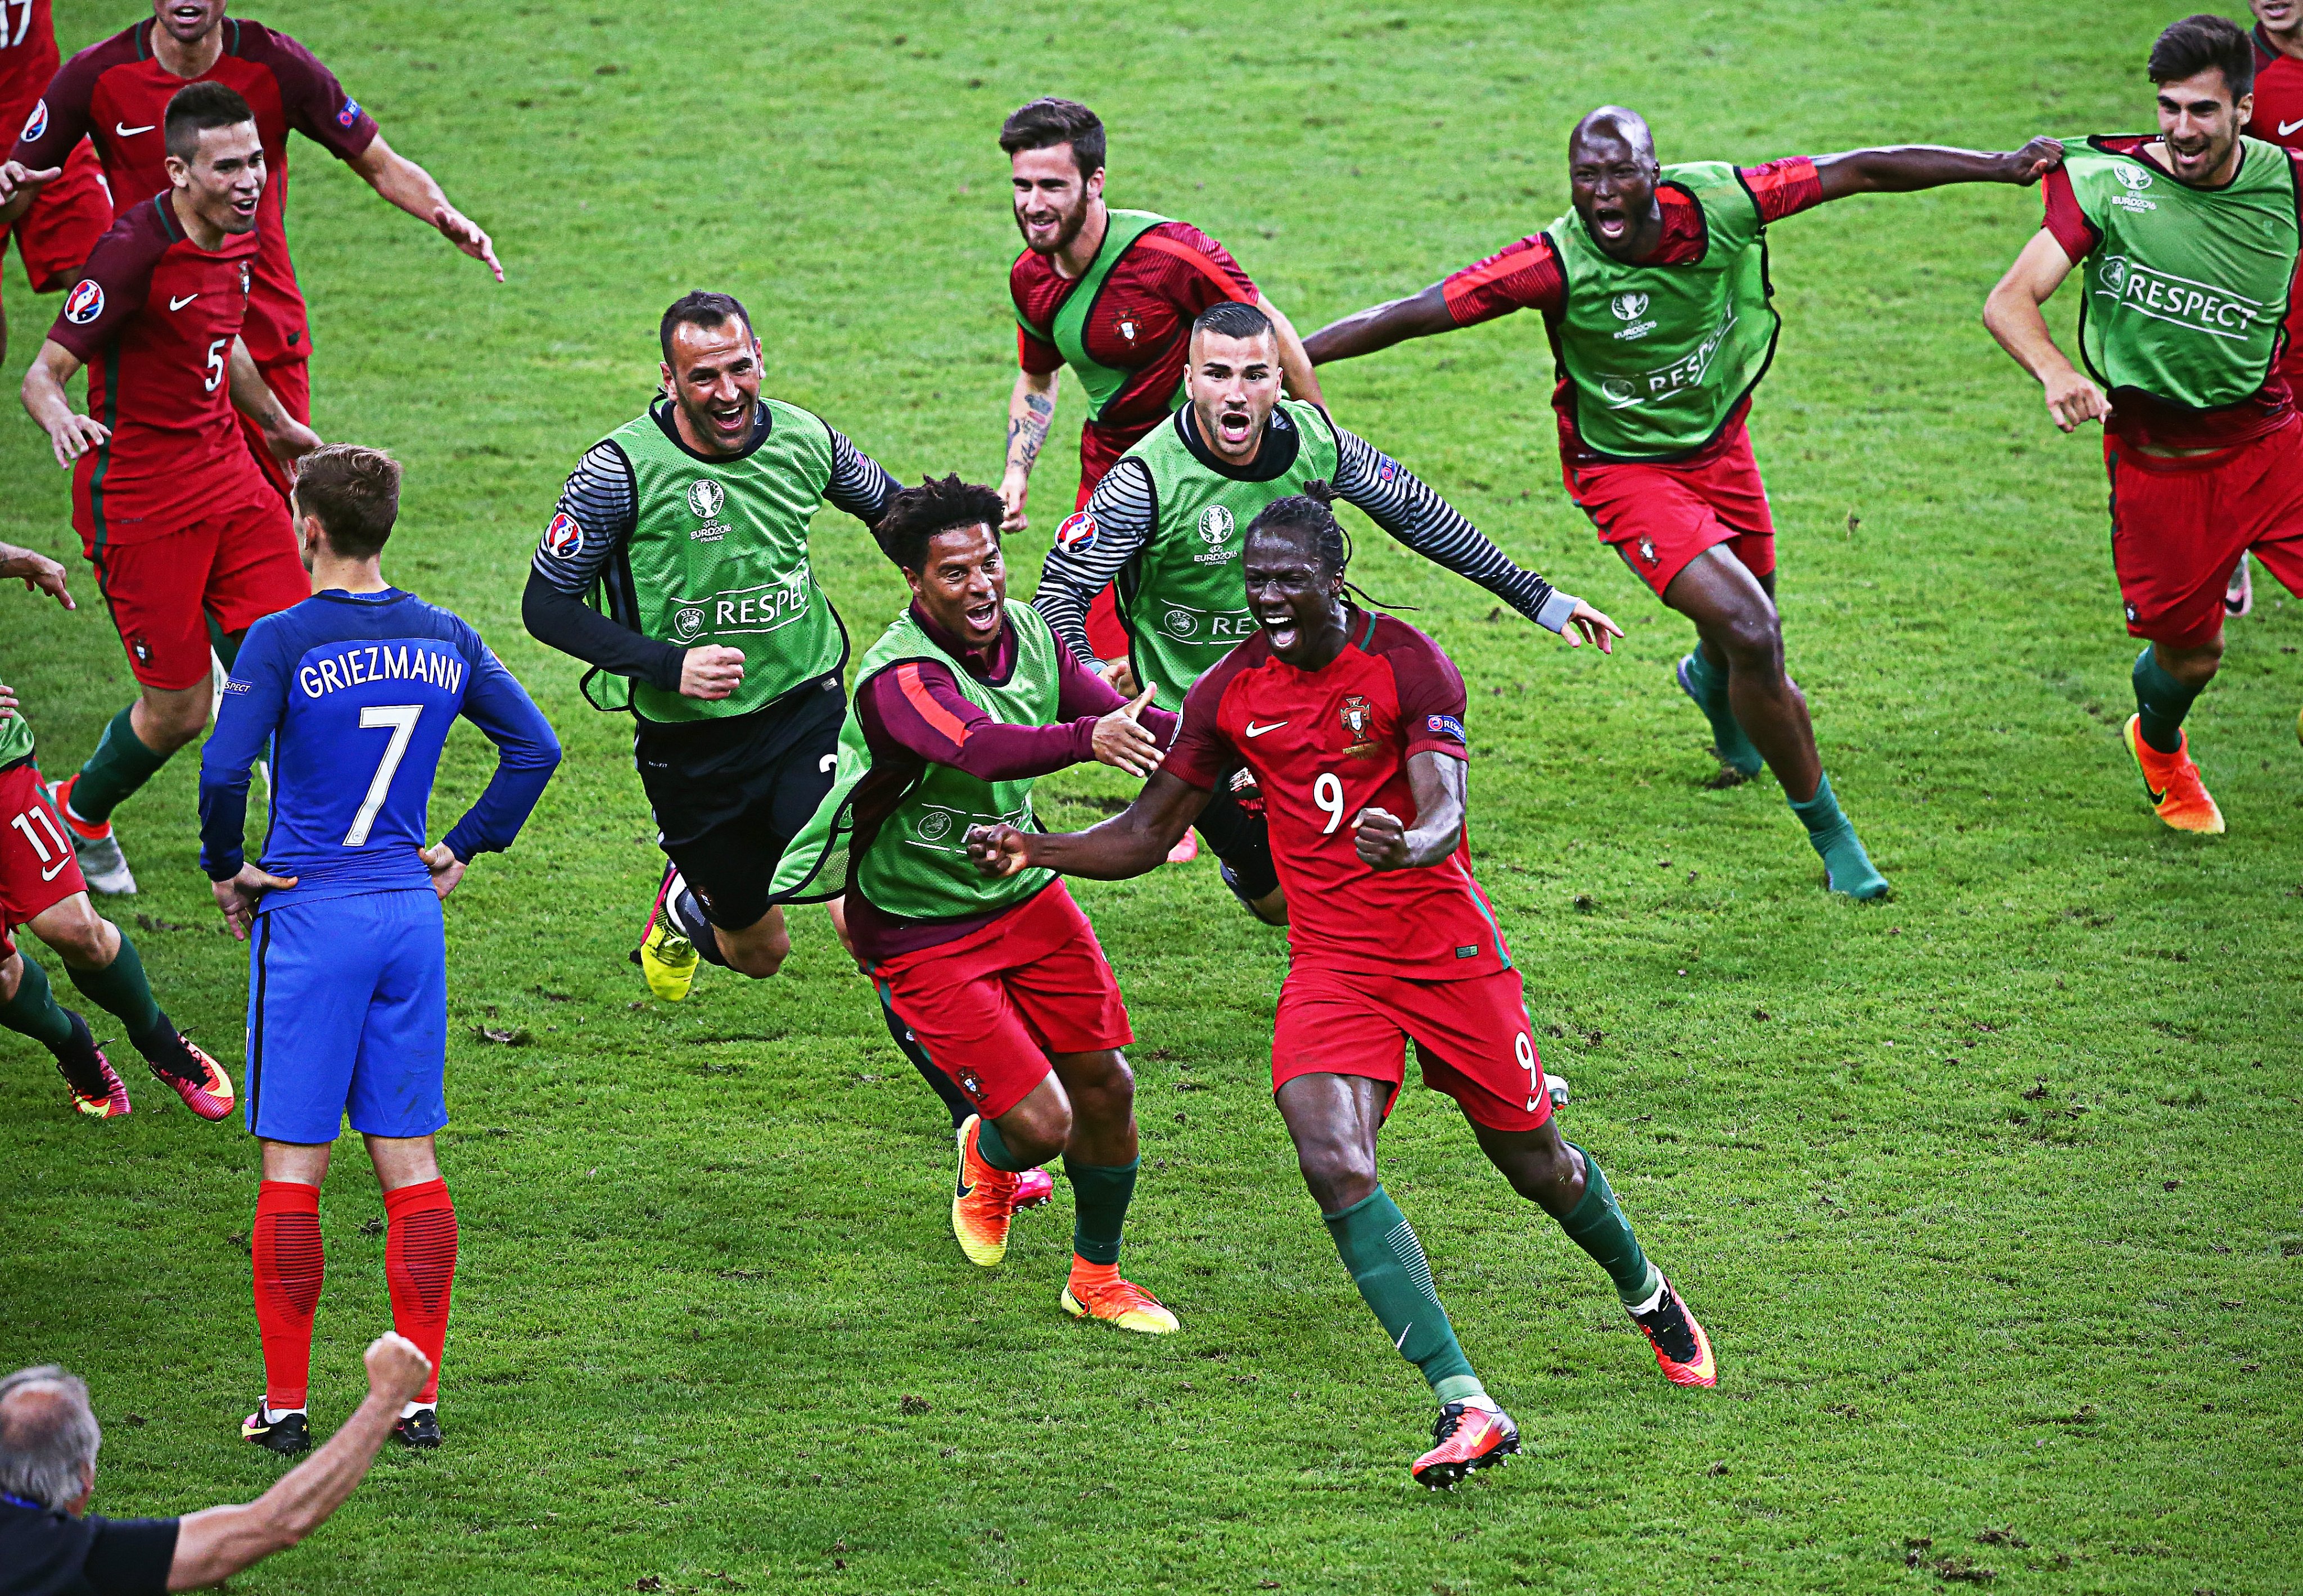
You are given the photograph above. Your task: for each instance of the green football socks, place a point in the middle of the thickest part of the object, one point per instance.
(35, 1012)
(121, 990)
(1100, 1193)
(2161, 703)
(1379, 1246)
(992, 1149)
(1707, 684)
(1598, 1227)
(1849, 867)
(120, 765)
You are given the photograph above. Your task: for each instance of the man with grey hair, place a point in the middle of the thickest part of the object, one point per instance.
(50, 1546)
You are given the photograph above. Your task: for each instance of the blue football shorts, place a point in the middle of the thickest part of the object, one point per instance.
(347, 1016)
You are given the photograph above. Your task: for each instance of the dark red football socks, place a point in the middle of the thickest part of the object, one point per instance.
(285, 1247)
(419, 1265)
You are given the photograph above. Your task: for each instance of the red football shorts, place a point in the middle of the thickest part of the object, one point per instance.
(2179, 526)
(171, 597)
(1471, 1037)
(37, 868)
(291, 381)
(1661, 516)
(990, 1007)
(54, 236)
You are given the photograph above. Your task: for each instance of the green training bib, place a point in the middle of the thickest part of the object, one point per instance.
(1069, 332)
(917, 866)
(1661, 355)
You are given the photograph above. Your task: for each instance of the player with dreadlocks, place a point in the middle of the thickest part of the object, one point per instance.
(1351, 723)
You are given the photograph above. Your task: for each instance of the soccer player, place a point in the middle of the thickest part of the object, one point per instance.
(964, 701)
(74, 207)
(115, 92)
(355, 688)
(2189, 247)
(1166, 520)
(1352, 724)
(2277, 119)
(190, 542)
(1654, 289)
(1111, 294)
(41, 887)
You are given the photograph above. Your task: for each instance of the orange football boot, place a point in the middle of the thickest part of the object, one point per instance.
(1683, 1351)
(1466, 1438)
(207, 1091)
(2172, 782)
(1096, 1291)
(982, 1201)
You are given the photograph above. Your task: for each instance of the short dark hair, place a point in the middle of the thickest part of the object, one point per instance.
(938, 504)
(197, 107)
(1048, 121)
(356, 493)
(1232, 319)
(2191, 47)
(1308, 516)
(698, 309)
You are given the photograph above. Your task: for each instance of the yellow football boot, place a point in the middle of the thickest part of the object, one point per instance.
(1096, 1291)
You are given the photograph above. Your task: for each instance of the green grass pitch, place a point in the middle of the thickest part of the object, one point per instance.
(1987, 1194)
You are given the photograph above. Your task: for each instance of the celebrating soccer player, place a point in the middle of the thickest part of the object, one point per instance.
(1351, 725)
(2189, 248)
(115, 93)
(1167, 519)
(1653, 289)
(355, 688)
(191, 543)
(73, 208)
(1112, 295)
(965, 700)
(41, 887)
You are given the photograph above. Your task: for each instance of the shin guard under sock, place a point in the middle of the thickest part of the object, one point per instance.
(35, 1012)
(2161, 703)
(688, 917)
(1100, 1193)
(1598, 1226)
(285, 1246)
(120, 765)
(121, 990)
(419, 1267)
(954, 1101)
(1845, 865)
(1386, 1263)
(1707, 684)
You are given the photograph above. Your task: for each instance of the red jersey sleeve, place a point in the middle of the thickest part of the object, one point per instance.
(1431, 699)
(1036, 355)
(112, 287)
(1524, 276)
(316, 104)
(58, 120)
(1201, 754)
(1782, 188)
(2065, 219)
(1212, 275)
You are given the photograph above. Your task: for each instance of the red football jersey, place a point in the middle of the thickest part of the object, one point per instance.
(2278, 115)
(153, 316)
(1141, 322)
(116, 92)
(28, 58)
(1322, 745)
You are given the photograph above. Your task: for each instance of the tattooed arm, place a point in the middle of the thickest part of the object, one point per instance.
(1030, 408)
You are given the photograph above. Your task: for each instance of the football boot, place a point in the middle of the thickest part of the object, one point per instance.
(2172, 782)
(197, 1078)
(1683, 1351)
(97, 1088)
(982, 1201)
(1465, 1438)
(101, 862)
(666, 957)
(2238, 593)
(1729, 745)
(1096, 1291)
(420, 1430)
(287, 1435)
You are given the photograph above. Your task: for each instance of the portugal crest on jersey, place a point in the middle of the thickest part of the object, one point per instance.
(1358, 716)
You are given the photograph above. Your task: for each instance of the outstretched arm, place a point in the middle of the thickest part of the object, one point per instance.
(1295, 364)
(1131, 843)
(1379, 326)
(412, 188)
(40, 573)
(2013, 314)
(1119, 520)
(1904, 168)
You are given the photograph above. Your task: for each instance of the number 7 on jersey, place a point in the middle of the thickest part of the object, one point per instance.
(401, 718)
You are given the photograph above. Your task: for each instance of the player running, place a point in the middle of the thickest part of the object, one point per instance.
(1352, 724)
(1166, 520)
(2189, 247)
(41, 887)
(190, 542)
(1112, 295)
(355, 688)
(115, 93)
(1654, 291)
(965, 700)
(74, 207)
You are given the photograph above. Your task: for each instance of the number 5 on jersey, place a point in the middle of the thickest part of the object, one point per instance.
(401, 718)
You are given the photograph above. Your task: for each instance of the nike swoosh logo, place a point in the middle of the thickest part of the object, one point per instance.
(2286, 128)
(125, 131)
(1255, 730)
(2157, 797)
(1399, 1345)
(176, 304)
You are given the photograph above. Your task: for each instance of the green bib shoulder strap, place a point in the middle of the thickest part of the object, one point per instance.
(1069, 332)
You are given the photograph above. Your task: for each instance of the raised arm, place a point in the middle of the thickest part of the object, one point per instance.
(1031, 410)
(1902, 168)
(1379, 326)
(1091, 547)
(413, 189)
(1130, 843)
(2013, 317)
(1295, 364)
(212, 1546)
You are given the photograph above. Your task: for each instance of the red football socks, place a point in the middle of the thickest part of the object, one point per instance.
(285, 1247)
(419, 1265)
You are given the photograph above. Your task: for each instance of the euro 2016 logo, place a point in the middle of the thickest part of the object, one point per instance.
(85, 303)
(1215, 523)
(688, 622)
(705, 498)
(38, 122)
(2135, 177)
(563, 539)
(1629, 307)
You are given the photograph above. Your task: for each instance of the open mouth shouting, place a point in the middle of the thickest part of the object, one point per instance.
(1611, 223)
(1235, 425)
(1281, 629)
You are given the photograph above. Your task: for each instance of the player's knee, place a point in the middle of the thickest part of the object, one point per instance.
(758, 950)
(11, 976)
(1753, 641)
(172, 720)
(1337, 1174)
(1107, 1093)
(82, 938)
